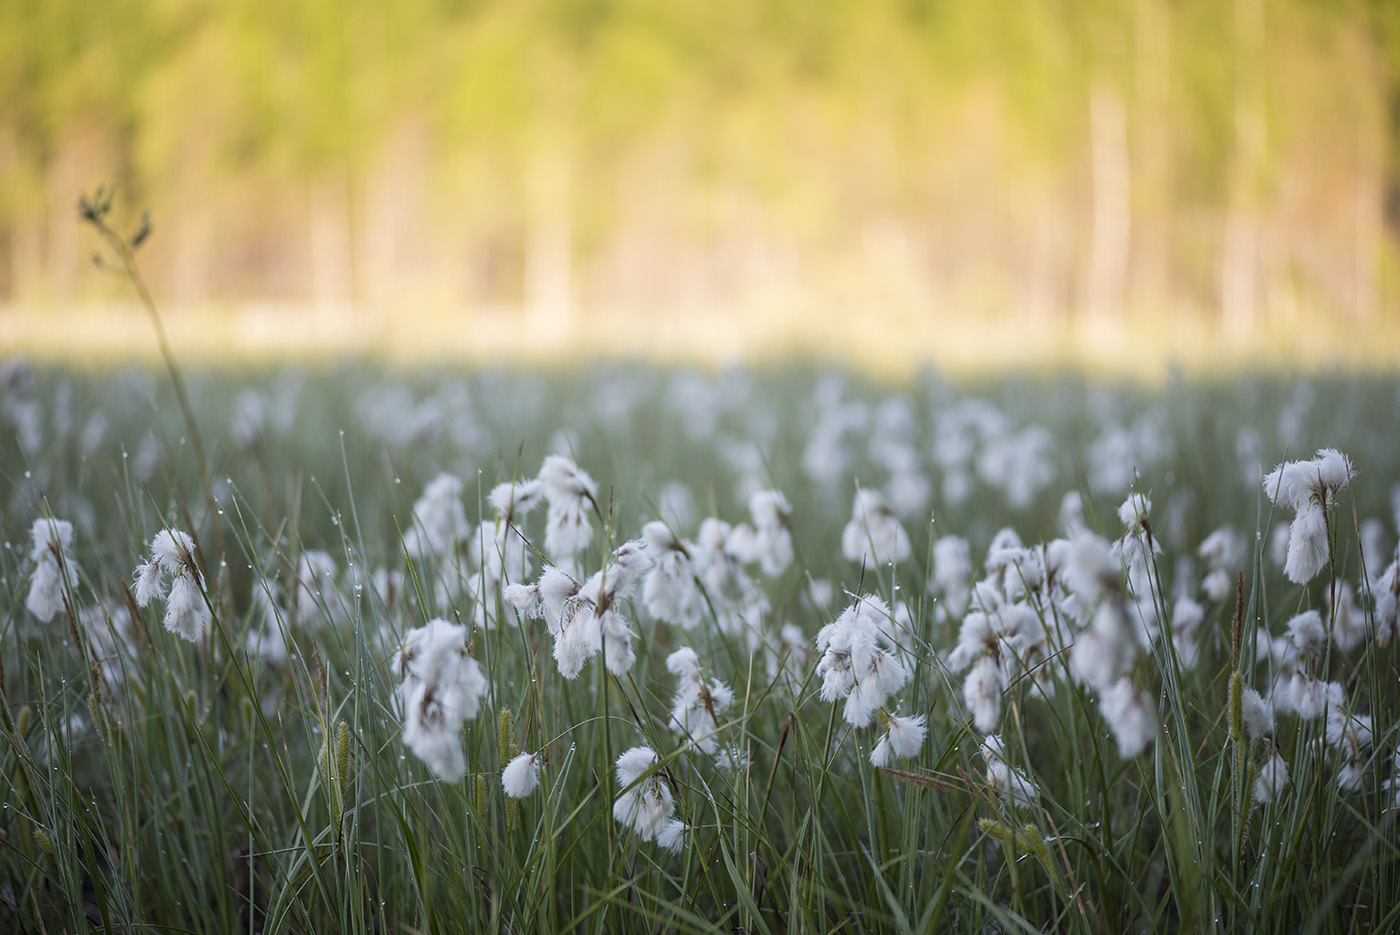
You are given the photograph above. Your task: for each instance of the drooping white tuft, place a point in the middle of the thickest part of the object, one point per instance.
(521, 775)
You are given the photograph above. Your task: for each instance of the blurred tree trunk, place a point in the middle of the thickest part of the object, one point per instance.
(332, 263)
(1239, 269)
(1370, 203)
(1112, 218)
(1150, 286)
(548, 244)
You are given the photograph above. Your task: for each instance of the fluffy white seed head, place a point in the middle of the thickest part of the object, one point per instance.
(1258, 716)
(1308, 634)
(521, 775)
(903, 738)
(1307, 544)
(186, 613)
(52, 542)
(982, 692)
(1130, 716)
(1271, 780)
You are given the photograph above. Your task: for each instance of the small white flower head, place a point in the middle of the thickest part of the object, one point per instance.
(1334, 469)
(1307, 632)
(1307, 544)
(1130, 717)
(645, 802)
(903, 738)
(854, 665)
(1308, 487)
(769, 542)
(439, 520)
(514, 499)
(671, 592)
(1133, 512)
(1005, 780)
(1091, 569)
(1271, 780)
(683, 663)
(698, 704)
(150, 583)
(673, 835)
(1223, 548)
(53, 568)
(982, 693)
(187, 614)
(556, 592)
(1351, 777)
(442, 688)
(597, 623)
(524, 598)
(1071, 516)
(1300, 695)
(952, 574)
(1258, 716)
(874, 534)
(521, 775)
(1386, 592)
(570, 493)
(1105, 652)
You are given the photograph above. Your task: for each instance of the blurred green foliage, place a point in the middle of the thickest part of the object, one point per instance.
(784, 98)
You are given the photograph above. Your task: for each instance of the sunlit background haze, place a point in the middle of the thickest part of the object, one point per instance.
(1115, 184)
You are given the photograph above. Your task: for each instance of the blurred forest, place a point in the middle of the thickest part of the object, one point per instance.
(1233, 160)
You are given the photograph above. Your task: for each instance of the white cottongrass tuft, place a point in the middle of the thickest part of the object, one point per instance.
(698, 703)
(521, 775)
(442, 688)
(53, 569)
(439, 520)
(903, 738)
(498, 549)
(187, 614)
(670, 592)
(1309, 489)
(952, 575)
(586, 619)
(1271, 780)
(982, 692)
(570, 493)
(1221, 552)
(645, 802)
(1258, 716)
(673, 835)
(1008, 782)
(769, 542)
(1130, 717)
(854, 665)
(874, 534)
(1301, 695)
(1308, 634)
(1090, 569)
(1104, 653)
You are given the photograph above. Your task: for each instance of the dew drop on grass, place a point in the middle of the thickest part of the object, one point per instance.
(26, 473)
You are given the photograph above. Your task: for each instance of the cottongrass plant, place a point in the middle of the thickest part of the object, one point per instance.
(387, 720)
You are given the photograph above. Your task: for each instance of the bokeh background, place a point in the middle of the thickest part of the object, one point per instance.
(1115, 183)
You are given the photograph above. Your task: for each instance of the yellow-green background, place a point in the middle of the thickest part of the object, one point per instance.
(1115, 182)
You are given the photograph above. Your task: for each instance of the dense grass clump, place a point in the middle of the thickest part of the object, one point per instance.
(1062, 617)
